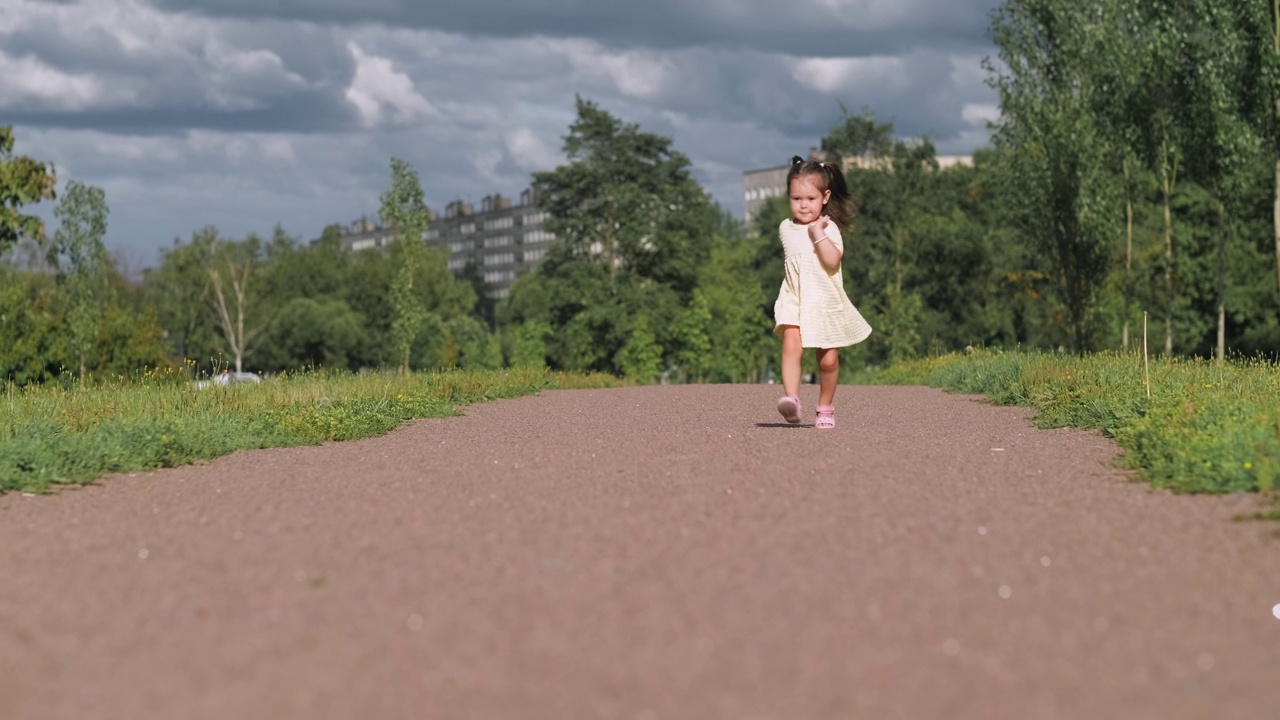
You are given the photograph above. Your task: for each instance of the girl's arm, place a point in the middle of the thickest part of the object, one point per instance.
(828, 253)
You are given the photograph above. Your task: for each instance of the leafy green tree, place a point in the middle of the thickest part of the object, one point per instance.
(404, 209)
(23, 181)
(1055, 149)
(179, 291)
(84, 267)
(315, 333)
(33, 341)
(626, 199)
(860, 140)
(485, 305)
(694, 351)
(641, 357)
(632, 230)
(478, 349)
(129, 342)
(528, 342)
(739, 330)
(432, 344)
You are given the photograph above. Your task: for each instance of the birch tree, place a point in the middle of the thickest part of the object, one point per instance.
(231, 269)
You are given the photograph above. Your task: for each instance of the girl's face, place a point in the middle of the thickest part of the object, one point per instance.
(807, 199)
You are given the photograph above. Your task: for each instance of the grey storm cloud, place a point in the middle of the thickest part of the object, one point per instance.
(801, 27)
(240, 113)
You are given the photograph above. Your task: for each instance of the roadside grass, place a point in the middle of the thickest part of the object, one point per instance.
(63, 435)
(1207, 427)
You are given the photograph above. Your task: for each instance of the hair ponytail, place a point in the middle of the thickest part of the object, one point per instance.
(839, 206)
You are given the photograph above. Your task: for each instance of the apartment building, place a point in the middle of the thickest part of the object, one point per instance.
(502, 238)
(760, 185)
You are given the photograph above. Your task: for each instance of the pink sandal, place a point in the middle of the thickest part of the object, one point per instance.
(826, 417)
(789, 406)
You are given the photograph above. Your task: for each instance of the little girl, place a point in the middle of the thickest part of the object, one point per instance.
(812, 310)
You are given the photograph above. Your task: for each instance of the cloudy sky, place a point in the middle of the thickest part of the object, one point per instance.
(247, 113)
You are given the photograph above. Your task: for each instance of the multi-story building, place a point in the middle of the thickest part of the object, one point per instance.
(503, 239)
(760, 185)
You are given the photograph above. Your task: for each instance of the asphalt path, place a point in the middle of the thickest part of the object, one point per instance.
(646, 553)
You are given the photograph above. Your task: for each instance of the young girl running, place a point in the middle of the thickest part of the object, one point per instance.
(812, 310)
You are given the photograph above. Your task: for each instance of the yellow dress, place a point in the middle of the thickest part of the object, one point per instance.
(812, 297)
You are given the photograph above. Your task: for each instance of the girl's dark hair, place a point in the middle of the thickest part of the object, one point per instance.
(830, 177)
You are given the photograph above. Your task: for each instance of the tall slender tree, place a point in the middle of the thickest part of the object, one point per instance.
(233, 300)
(82, 262)
(1056, 148)
(404, 209)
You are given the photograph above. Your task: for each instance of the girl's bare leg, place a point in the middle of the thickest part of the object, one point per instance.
(791, 352)
(828, 374)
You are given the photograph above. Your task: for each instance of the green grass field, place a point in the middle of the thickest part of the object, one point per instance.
(51, 435)
(1206, 427)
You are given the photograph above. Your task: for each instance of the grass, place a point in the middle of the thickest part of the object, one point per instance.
(52, 435)
(1206, 428)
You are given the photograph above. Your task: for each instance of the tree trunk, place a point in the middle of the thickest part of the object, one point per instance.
(1128, 255)
(1222, 282)
(1277, 225)
(1168, 273)
(1167, 184)
(1275, 37)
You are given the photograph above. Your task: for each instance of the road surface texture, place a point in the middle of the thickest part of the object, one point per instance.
(648, 553)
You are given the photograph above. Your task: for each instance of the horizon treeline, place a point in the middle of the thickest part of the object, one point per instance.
(1132, 173)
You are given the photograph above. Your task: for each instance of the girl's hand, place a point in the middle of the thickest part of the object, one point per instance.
(818, 228)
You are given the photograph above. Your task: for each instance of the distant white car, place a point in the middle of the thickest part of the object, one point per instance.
(230, 378)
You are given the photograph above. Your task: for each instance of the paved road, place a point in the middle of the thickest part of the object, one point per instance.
(664, 552)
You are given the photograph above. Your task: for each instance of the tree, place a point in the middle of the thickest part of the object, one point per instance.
(529, 344)
(641, 357)
(478, 349)
(316, 333)
(859, 140)
(77, 251)
(33, 343)
(626, 198)
(1228, 120)
(632, 229)
(1055, 149)
(179, 290)
(23, 181)
(404, 209)
(236, 313)
(693, 345)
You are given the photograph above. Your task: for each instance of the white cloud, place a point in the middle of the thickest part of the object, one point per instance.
(836, 75)
(980, 113)
(27, 80)
(529, 151)
(246, 79)
(383, 95)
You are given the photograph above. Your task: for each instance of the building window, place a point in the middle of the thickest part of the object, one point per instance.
(500, 259)
(499, 223)
(468, 228)
(363, 244)
(497, 242)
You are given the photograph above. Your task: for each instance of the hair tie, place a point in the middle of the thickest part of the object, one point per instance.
(796, 160)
